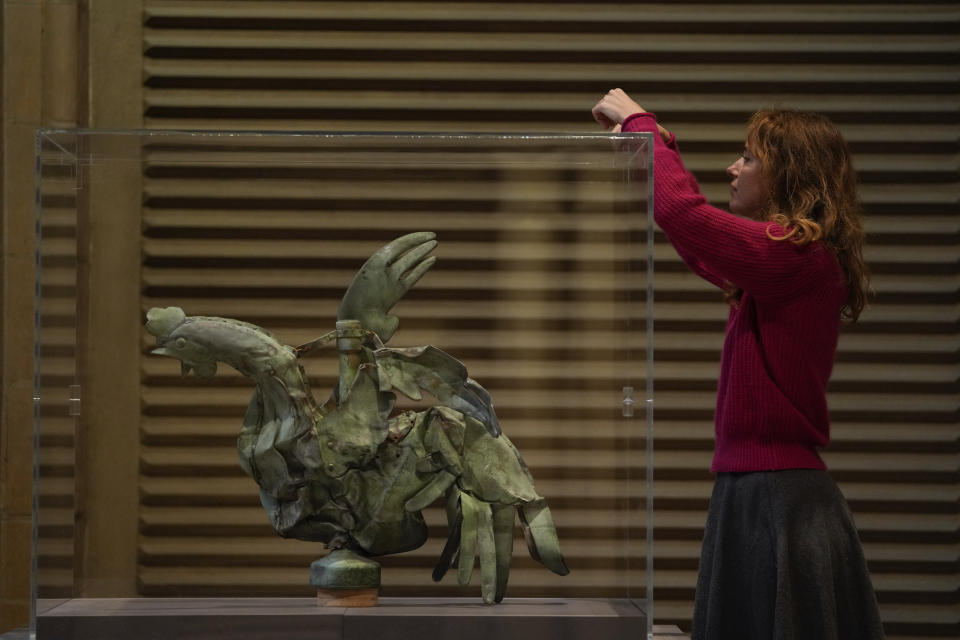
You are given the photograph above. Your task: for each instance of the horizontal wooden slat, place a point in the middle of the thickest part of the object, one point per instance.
(415, 12)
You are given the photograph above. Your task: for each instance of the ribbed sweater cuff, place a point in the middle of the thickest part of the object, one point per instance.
(635, 121)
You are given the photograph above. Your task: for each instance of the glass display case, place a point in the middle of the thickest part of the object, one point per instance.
(542, 288)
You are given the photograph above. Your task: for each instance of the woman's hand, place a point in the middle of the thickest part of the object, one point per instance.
(614, 108)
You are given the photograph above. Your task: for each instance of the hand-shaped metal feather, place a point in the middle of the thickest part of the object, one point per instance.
(384, 279)
(352, 472)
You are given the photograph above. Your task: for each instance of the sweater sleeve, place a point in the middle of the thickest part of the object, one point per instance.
(719, 246)
(689, 259)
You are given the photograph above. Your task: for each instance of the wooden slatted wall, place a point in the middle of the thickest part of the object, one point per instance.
(57, 270)
(887, 72)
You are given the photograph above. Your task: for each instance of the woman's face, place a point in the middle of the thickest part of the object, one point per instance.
(748, 187)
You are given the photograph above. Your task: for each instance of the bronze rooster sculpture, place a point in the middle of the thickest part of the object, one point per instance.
(353, 473)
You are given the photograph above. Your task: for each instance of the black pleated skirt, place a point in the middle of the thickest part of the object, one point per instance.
(781, 560)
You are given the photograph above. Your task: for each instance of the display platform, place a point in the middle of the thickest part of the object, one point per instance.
(301, 618)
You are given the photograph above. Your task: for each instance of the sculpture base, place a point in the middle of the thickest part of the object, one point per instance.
(344, 569)
(347, 597)
(302, 619)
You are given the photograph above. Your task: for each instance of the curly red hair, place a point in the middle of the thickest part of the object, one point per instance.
(812, 191)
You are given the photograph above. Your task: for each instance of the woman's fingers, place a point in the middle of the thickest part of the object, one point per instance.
(614, 107)
(605, 121)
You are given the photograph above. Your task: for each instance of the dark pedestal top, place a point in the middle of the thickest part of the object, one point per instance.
(302, 619)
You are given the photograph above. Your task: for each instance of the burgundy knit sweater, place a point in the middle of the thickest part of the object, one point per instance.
(781, 337)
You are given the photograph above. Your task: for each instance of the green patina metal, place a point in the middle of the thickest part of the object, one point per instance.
(354, 474)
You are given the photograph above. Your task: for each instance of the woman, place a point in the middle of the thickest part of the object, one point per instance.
(781, 557)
